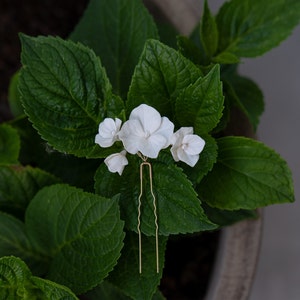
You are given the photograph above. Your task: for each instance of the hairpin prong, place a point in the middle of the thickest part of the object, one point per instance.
(145, 163)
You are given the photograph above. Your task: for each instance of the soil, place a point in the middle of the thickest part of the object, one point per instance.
(188, 266)
(189, 260)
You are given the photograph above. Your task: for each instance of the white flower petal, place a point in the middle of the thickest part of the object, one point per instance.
(148, 117)
(180, 133)
(151, 146)
(116, 162)
(186, 146)
(166, 130)
(174, 151)
(194, 144)
(191, 160)
(108, 132)
(146, 132)
(132, 136)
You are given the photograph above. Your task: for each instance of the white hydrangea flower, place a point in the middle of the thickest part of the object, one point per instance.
(116, 162)
(108, 132)
(186, 146)
(146, 131)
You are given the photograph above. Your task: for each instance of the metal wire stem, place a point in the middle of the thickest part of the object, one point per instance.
(145, 163)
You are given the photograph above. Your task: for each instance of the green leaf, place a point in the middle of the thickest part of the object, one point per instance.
(226, 58)
(249, 98)
(19, 184)
(166, 31)
(81, 232)
(17, 282)
(209, 31)
(65, 92)
(195, 39)
(106, 291)
(68, 168)
(15, 279)
(14, 241)
(250, 28)
(178, 208)
(117, 31)
(9, 145)
(207, 159)
(201, 104)
(226, 113)
(247, 175)
(161, 74)
(190, 50)
(224, 217)
(158, 296)
(126, 275)
(14, 97)
(52, 290)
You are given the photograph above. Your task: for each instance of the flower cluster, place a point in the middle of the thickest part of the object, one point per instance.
(146, 133)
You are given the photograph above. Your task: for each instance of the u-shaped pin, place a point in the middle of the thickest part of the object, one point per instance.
(142, 165)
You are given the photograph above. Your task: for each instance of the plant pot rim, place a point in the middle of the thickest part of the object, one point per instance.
(236, 260)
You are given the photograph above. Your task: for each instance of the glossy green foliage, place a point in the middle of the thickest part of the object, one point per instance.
(200, 105)
(160, 76)
(9, 145)
(249, 28)
(247, 175)
(65, 92)
(103, 28)
(75, 229)
(17, 283)
(19, 184)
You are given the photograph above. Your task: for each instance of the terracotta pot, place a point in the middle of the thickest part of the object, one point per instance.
(239, 245)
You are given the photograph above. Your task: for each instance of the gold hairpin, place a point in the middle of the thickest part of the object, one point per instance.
(145, 163)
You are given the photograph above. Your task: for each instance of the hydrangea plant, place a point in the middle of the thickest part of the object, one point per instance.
(95, 104)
